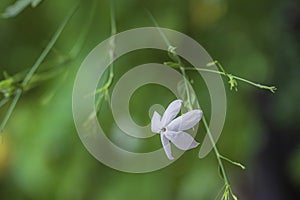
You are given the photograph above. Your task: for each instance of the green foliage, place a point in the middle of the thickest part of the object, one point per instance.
(35, 66)
(41, 140)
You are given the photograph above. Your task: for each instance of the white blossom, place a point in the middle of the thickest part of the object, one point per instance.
(172, 129)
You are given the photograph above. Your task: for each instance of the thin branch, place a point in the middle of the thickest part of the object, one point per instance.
(233, 162)
(229, 76)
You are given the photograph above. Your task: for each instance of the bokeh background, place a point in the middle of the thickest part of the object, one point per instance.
(42, 157)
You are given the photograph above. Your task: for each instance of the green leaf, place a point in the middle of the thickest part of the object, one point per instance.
(16, 8)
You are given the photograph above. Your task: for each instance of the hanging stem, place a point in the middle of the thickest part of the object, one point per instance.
(173, 55)
(227, 190)
(104, 89)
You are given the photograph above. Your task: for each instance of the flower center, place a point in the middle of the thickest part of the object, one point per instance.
(163, 129)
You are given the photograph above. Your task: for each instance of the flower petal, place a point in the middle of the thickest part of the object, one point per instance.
(167, 146)
(155, 123)
(182, 140)
(171, 112)
(185, 121)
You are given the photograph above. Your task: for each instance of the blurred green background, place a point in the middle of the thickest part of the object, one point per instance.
(42, 157)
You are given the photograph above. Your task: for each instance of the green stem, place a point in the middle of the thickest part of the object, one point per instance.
(177, 59)
(159, 30)
(104, 89)
(45, 68)
(218, 156)
(186, 87)
(85, 30)
(112, 44)
(270, 88)
(48, 47)
(233, 162)
(36, 66)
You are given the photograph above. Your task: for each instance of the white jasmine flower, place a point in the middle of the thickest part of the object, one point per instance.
(172, 130)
